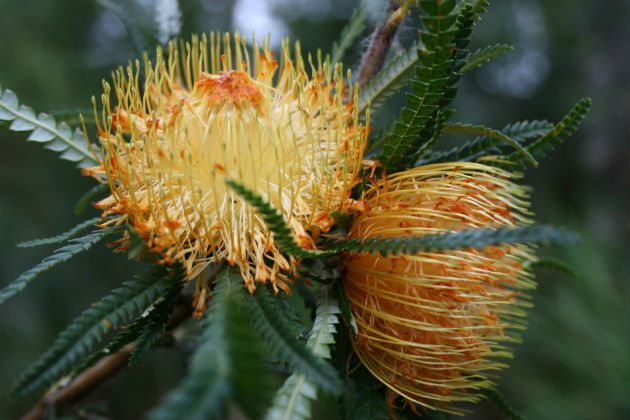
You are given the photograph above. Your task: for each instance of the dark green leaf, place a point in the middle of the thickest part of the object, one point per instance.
(489, 132)
(61, 237)
(469, 238)
(293, 400)
(60, 255)
(554, 137)
(75, 342)
(484, 55)
(227, 364)
(554, 264)
(277, 334)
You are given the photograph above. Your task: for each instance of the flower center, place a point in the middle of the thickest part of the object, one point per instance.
(233, 87)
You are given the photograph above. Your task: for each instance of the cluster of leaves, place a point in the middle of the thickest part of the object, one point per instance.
(293, 360)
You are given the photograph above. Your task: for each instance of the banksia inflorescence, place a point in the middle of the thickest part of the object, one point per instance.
(173, 137)
(430, 325)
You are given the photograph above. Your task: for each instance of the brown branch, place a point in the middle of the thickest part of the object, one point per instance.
(89, 379)
(381, 41)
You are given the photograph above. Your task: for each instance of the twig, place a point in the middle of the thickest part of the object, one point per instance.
(105, 368)
(381, 41)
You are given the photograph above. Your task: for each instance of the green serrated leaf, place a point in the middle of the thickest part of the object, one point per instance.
(74, 343)
(220, 366)
(489, 132)
(60, 255)
(45, 130)
(429, 90)
(61, 237)
(293, 400)
(484, 145)
(560, 132)
(484, 55)
(275, 221)
(150, 322)
(153, 324)
(344, 306)
(353, 29)
(468, 238)
(554, 264)
(502, 404)
(277, 334)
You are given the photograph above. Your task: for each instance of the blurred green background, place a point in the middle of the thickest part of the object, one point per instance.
(575, 359)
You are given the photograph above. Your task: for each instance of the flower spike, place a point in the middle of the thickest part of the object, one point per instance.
(430, 325)
(210, 111)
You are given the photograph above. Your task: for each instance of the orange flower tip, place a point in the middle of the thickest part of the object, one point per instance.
(90, 171)
(305, 242)
(234, 87)
(324, 222)
(357, 205)
(219, 168)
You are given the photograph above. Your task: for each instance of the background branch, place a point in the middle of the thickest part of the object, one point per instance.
(381, 41)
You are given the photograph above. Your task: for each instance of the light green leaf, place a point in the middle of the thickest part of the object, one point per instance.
(45, 130)
(293, 400)
(482, 56)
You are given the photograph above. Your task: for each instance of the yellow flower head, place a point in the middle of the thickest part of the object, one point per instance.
(221, 111)
(431, 324)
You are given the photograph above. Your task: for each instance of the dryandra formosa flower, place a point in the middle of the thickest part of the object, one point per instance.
(430, 325)
(177, 134)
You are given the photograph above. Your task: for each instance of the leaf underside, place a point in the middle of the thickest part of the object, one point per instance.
(44, 129)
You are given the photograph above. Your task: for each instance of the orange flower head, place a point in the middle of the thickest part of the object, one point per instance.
(430, 325)
(217, 110)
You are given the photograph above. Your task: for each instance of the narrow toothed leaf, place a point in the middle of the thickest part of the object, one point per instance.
(390, 80)
(277, 334)
(61, 237)
(44, 133)
(482, 56)
(555, 264)
(88, 196)
(482, 146)
(490, 132)
(224, 364)
(275, 221)
(75, 247)
(471, 238)
(294, 399)
(353, 29)
(145, 329)
(434, 86)
(558, 134)
(73, 344)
